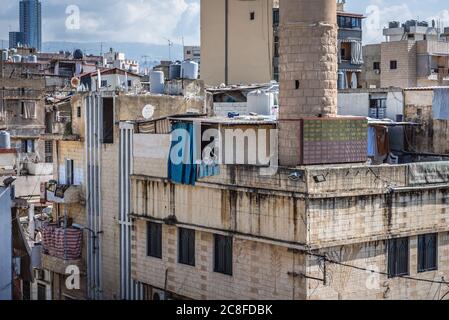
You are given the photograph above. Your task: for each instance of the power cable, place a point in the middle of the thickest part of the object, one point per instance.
(374, 271)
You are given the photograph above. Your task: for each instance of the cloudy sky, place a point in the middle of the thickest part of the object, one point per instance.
(153, 21)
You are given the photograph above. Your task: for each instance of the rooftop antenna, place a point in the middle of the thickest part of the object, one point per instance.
(170, 45)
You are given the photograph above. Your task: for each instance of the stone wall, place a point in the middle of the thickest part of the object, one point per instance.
(260, 271)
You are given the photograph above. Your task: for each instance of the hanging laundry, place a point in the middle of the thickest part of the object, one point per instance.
(440, 105)
(372, 142)
(182, 168)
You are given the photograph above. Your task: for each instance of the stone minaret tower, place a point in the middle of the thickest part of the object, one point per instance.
(308, 69)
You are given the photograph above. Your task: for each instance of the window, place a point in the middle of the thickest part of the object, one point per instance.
(349, 22)
(378, 108)
(69, 179)
(376, 66)
(154, 234)
(393, 65)
(48, 151)
(130, 83)
(104, 83)
(41, 292)
(28, 110)
(186, 241)
(427, 253)
(26, 291)
(188, 52)
(27, 146)
(78, 112)
(223, 255)
(252, 15)
(108, 121)
(398, 257)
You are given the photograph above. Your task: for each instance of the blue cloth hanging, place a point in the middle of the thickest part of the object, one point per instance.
(186, 171)
(372, 142)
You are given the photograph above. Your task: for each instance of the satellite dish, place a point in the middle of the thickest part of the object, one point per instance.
(148, 111)
(75, 82)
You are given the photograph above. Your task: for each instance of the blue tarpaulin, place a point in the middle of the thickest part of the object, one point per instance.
(440, 105)
(208, 170)
(182, 148)
(372, 142)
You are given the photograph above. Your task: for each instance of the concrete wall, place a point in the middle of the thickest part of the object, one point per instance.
(432, 135)
(371, 54)
(251, 213)
(404, 52)
(346, 283)
(260, 271)
(250, 42)
(130, 107)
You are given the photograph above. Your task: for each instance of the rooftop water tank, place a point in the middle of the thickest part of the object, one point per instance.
(175, 70)
(78, 54)
(5, 55)
(189, 70)
(261, 102)
(157, 84)
(32, 59)
(16, 58)
(341, 80)
(5, 140)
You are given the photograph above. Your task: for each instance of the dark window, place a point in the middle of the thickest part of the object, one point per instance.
(398, 257)
(223, 255)
(26, 291)
(41, 292)
(154, 246)
(104, 83)
(275, 16)
(189, 52)
(252, 15)
(78, 112)
(69, 180)
(27, 146)
(186, 247)
(48, 151)
(349, 22)
(427, 253)
(393, 65)
(376, 65)
(130, 83)
(108, 120)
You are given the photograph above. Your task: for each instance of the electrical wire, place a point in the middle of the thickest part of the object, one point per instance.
(374, 271)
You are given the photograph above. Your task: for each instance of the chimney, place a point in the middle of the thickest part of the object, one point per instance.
(308, 69)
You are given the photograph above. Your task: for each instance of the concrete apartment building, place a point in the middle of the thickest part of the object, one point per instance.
(88, 167)
(414, 55)
(240, 43)
(342, 231)
(323, 225)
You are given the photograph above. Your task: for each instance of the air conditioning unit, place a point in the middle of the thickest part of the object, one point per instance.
(158, 294)
(39, 274)
(42, 275)
(377, 71)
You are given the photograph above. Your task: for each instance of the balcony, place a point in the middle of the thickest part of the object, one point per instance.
(61, 131)
(63, 194)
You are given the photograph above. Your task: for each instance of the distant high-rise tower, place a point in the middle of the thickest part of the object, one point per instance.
(31, 23)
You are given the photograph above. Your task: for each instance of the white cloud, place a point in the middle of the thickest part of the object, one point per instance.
(379, 18)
